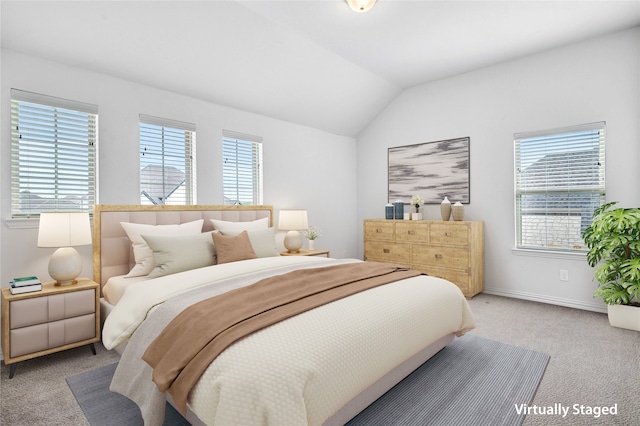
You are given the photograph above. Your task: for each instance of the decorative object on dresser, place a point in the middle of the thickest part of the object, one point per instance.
(445, 209)
(432, 169)
(398, 209)
(416, 201)
(457, 211)
(54, 319)
(293, 221)
(451, 250)
(388, 211)
(64, 230)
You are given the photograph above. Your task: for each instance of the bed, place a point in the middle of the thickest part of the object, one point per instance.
(321, 366)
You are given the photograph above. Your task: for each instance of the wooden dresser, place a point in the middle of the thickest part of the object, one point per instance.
(450, 250)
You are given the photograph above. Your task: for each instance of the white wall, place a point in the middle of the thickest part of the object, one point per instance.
(591, 81)
(303, 167)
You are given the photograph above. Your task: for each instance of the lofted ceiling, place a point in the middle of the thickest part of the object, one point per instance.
(315, 63)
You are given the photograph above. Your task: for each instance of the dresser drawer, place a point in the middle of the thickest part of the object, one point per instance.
(379, 230)
(445, 257)
(41, 337)
(31, 339)
(449, 234)
(382, 251)
(412, 232)
(459, 278)
(51, 308)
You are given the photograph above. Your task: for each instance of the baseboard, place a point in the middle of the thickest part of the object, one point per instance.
(576, 304)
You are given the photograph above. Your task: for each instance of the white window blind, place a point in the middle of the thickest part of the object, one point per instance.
(167, 149)
(242, 168)
(53, 154)
(559, 183)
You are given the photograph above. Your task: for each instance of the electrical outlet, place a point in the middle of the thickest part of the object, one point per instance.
(564, 275)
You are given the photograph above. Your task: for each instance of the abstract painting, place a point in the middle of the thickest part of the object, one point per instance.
(433, 170)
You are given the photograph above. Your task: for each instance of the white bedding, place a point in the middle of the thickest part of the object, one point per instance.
(142, 296)
(299, 371)
(116, 286)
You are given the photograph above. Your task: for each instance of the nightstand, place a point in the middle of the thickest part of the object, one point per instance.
(51, 320)
(306, 252)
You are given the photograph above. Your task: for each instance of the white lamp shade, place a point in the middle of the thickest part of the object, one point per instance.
(293, 220)
(64, 229)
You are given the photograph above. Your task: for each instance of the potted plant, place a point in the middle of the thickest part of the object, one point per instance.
(416, 201)
(312, 235)
(613, 240)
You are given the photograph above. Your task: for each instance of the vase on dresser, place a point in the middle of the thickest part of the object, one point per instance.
(312, 244)
(445, 209)
(457, 211)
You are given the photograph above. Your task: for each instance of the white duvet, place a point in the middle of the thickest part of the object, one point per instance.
(140, 297)
(300, 371)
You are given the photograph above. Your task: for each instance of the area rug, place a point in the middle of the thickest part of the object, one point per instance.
(472, 381)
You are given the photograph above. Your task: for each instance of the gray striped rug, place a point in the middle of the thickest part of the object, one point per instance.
(473, 381)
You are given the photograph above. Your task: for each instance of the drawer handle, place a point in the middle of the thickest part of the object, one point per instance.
(411, 232)
(448, 234)
(378, 230)
(438, 256)
(387, 251)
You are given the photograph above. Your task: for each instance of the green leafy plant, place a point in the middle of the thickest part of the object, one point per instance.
(312, 233)
(613, 240)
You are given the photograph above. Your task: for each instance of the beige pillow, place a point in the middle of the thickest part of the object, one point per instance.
(226, 226)
(263, 241)
(142, 253)
(231, 248)
(172, 254)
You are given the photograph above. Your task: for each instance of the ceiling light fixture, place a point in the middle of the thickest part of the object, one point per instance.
(361, 5)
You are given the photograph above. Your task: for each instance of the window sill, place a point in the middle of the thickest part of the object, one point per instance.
(581, 256)
(23, 223)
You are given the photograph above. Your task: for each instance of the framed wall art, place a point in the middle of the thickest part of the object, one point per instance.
(432, 170)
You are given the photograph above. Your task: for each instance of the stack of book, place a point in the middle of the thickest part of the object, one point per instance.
(25, 285)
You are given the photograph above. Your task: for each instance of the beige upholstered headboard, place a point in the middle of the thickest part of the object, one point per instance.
(112, 252)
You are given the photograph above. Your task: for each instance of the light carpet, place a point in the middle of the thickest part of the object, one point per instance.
(472, 381)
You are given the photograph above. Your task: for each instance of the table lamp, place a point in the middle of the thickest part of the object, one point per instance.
(64, 230)
(293, 221)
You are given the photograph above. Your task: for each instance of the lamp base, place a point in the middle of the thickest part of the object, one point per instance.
(65, 283)
(65, 266)
(293, 241)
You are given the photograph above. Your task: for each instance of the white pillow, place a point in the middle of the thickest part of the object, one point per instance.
(172, 254)
(263, 241)
(226, 226)
(141, 251)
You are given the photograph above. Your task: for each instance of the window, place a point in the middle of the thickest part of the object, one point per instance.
(559, 183)
(53, 154)
(167, 149)
(242, 168)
